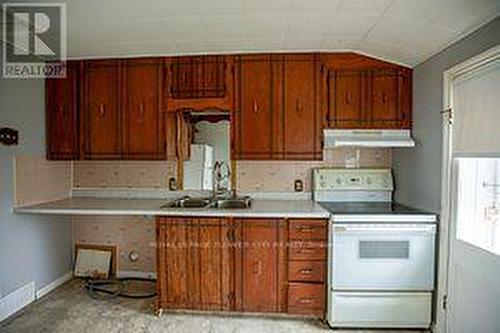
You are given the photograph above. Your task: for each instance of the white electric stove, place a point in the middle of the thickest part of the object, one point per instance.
(382, 254)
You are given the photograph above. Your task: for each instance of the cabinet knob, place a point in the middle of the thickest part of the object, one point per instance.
(255, 106)
(141, 111)
(102, 110)
(298, 107)
(257, 268)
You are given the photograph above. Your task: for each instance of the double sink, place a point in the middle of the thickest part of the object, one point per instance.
(232, 202)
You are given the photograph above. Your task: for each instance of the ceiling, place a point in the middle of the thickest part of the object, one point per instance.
(402, 31)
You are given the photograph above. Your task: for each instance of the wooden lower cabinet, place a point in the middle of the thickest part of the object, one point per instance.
(260, 267)
(243, 265)
(193, 264)
(306, 298)
(307, 254)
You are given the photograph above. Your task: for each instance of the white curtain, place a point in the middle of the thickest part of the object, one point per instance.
(476, 112)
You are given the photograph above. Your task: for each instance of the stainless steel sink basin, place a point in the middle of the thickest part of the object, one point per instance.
(215, 203)
(188, 202)
(232, 203)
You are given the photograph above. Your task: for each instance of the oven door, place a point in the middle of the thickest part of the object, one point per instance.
(382, 257)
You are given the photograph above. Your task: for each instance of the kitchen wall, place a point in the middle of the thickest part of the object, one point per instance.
(127, 233)
(418, 170)
(252, 176)
(32, 247)
(138, 234)
(123, 174)
(279, 176)
(34, 172)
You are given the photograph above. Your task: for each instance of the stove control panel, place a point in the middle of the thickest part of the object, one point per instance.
(332, 179)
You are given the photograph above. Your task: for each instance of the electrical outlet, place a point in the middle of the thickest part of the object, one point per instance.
(298, 185)
(172, 184)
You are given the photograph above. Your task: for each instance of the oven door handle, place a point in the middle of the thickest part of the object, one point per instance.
(386, 228)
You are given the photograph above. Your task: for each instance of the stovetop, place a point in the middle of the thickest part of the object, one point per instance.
(370, 208)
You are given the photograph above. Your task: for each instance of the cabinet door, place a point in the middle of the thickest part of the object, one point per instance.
(194, 266)
(301, 133)
(405, 98)
(198, 77)
(260, 266)
(346, 99)
(61, 107)
(253, 121)
(213, 264)
(384, 99)
(174, 263)
(143, 123)
(101, 116)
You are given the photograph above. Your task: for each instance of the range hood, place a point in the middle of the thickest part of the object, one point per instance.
(367, 138)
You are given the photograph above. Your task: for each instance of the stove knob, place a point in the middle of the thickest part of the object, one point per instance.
(322, 184)
(385, 182)
(338, 181)
(369, 181)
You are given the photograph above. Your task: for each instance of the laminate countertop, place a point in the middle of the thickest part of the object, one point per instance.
(132, 206)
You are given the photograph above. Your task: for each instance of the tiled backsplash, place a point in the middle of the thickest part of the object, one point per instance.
(251, 176)
(37, 180)
(279, 176)
(123, 174)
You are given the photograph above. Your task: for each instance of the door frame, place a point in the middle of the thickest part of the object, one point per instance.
(446, 178)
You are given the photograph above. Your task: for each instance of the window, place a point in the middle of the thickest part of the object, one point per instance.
(478, 202)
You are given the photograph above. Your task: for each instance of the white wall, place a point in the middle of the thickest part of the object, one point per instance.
(418, 170)
(32, 248)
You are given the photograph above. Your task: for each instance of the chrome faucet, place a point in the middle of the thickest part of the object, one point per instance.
(221, 173)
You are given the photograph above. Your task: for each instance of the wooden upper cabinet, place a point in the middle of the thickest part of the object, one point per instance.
(198, 77)
(193, 264)
(346, 90)
(404, 98)
(252, 122)
(389, 98)
(143, 134)
(101, 110)
(260, 265)
(199, 82)
(61, 112)
(383, 101)
(280, 103)
(367, 93)
(301, 127)
(277, 116)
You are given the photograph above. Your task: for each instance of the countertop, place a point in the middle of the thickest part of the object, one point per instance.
(133, 206)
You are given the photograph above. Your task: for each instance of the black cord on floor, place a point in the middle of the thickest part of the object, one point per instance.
(95, 288)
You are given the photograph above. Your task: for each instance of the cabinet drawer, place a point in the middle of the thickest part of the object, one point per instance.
(307, 250)
(306, 298)
(306, 271)
(307, 229)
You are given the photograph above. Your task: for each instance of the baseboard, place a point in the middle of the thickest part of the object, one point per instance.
(17, 300)
(54, 284)
(126, 274)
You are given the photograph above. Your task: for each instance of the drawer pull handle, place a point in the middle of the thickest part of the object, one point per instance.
(306, 229)
(306, 250)
(306, 271)
(306, 301)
